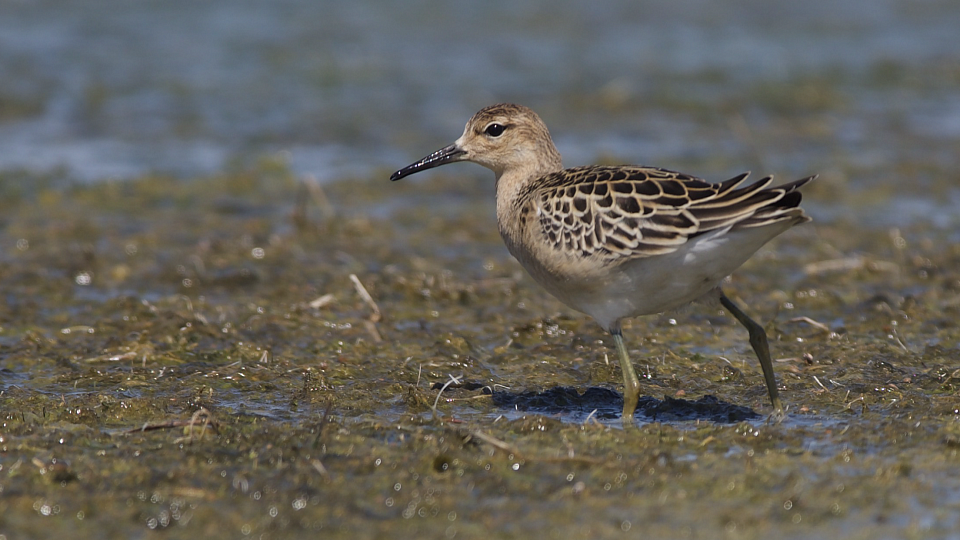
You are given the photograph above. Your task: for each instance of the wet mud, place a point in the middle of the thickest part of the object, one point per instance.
(253, 355)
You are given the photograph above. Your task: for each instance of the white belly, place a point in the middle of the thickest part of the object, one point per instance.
(655, 284)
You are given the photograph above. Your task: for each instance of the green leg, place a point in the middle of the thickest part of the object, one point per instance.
(758, 339)
(631, 384)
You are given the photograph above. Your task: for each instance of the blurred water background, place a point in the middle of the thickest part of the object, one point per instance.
(188, 278)
(865, 93)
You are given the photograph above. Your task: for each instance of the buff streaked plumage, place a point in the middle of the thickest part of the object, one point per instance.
(621, 241)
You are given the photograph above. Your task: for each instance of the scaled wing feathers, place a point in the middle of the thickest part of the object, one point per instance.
(617, 213)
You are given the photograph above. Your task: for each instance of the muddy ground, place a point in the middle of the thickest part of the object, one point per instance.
(254, 356)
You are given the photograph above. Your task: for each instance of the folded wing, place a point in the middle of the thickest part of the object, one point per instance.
(620, 213)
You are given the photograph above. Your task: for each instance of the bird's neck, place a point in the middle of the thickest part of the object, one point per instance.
(511, 183)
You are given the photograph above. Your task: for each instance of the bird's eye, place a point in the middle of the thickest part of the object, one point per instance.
(494, 130)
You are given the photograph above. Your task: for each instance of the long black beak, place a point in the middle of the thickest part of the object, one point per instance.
(447, 154)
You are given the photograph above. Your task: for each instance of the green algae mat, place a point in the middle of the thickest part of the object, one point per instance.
(256, 356)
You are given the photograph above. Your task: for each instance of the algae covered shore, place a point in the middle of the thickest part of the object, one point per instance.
(255, 355)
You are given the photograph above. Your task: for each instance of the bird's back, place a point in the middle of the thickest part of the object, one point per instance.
(588, 234)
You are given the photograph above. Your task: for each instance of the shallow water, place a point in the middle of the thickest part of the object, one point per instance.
(187, 351)
(118, 89)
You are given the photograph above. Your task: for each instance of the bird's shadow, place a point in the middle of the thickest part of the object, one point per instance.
(608, 404)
